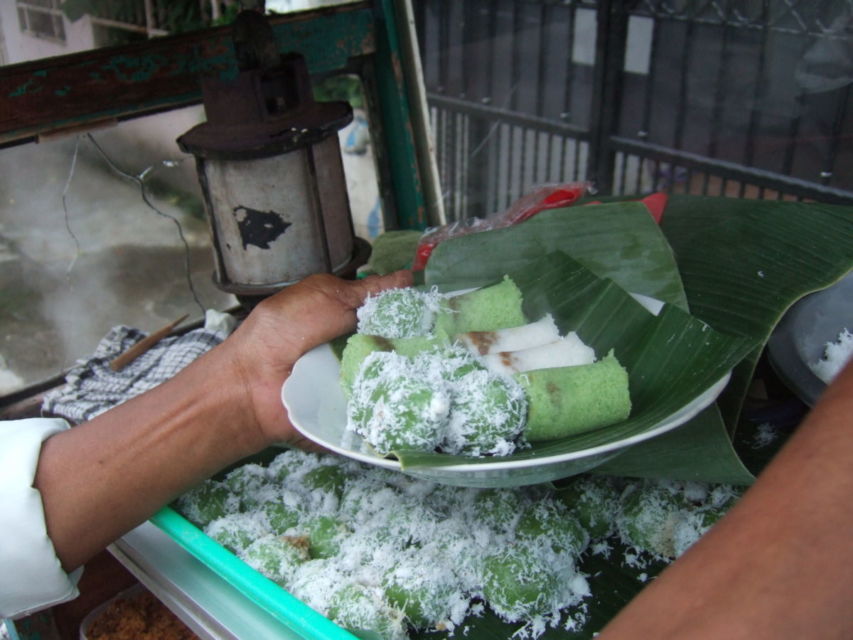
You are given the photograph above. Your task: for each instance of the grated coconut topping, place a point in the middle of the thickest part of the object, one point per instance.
(451, 399)
(414, 554)
(836, 354)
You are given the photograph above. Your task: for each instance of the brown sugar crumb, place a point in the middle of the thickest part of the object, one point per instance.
(302, 543)
(138, 617)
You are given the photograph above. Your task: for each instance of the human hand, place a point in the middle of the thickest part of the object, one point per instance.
(280, 329)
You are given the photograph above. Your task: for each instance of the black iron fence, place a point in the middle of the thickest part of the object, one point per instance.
(743, 98)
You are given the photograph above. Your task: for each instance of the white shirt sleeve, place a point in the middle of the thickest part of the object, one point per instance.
(31, 576)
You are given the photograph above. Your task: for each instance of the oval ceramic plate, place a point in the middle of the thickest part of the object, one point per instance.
(317, 408)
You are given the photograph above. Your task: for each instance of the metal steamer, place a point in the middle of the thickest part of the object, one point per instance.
(270, 168)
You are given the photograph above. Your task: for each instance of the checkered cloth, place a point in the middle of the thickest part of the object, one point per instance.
(91, 386)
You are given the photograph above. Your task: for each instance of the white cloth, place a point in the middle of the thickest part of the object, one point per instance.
(31, 576)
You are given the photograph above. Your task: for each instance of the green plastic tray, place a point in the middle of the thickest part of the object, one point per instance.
(265, 593)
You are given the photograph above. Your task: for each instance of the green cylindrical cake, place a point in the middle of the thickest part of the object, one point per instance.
(570, 400)
(486, 309)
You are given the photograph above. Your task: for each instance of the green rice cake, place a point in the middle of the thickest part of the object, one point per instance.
(570, 400)
(488, 309)
(357, 348)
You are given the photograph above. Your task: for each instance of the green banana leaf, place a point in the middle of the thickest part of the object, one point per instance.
(620, 241)
(745, 262)
(671, 358)
(699, 450)
(393, 250)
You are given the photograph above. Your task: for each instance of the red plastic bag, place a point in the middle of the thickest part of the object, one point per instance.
(540, 199)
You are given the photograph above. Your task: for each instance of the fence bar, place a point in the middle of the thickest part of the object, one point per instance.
(444, 46)
(519, 163)
(509, 117)
(578, 160)
(477, 162)
(541, 80)
(758, 93)
(566, 115)
(467, 48)
(515, 72)
(650, 83)
(835, 139)
(683, 80)
(493, 128)
(722, 69)
(638, 184)
(734, 171)
(611, 35)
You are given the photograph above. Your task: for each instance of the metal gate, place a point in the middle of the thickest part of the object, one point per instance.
(741, 98)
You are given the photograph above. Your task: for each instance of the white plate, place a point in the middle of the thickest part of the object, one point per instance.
(317, 407)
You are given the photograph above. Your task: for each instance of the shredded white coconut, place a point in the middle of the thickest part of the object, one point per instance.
(435, 400)
(430, 555)
(765, 435)
(836, 354)
(399, 313)
(456, 399)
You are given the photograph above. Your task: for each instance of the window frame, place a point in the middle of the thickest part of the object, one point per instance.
(28, 8)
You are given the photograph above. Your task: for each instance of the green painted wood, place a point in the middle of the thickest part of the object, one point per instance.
(115, 83)
(398, 139)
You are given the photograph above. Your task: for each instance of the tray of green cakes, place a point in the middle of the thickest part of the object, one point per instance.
(501, 385)
(335, 548)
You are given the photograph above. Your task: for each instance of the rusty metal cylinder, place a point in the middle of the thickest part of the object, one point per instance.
(272, 177)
